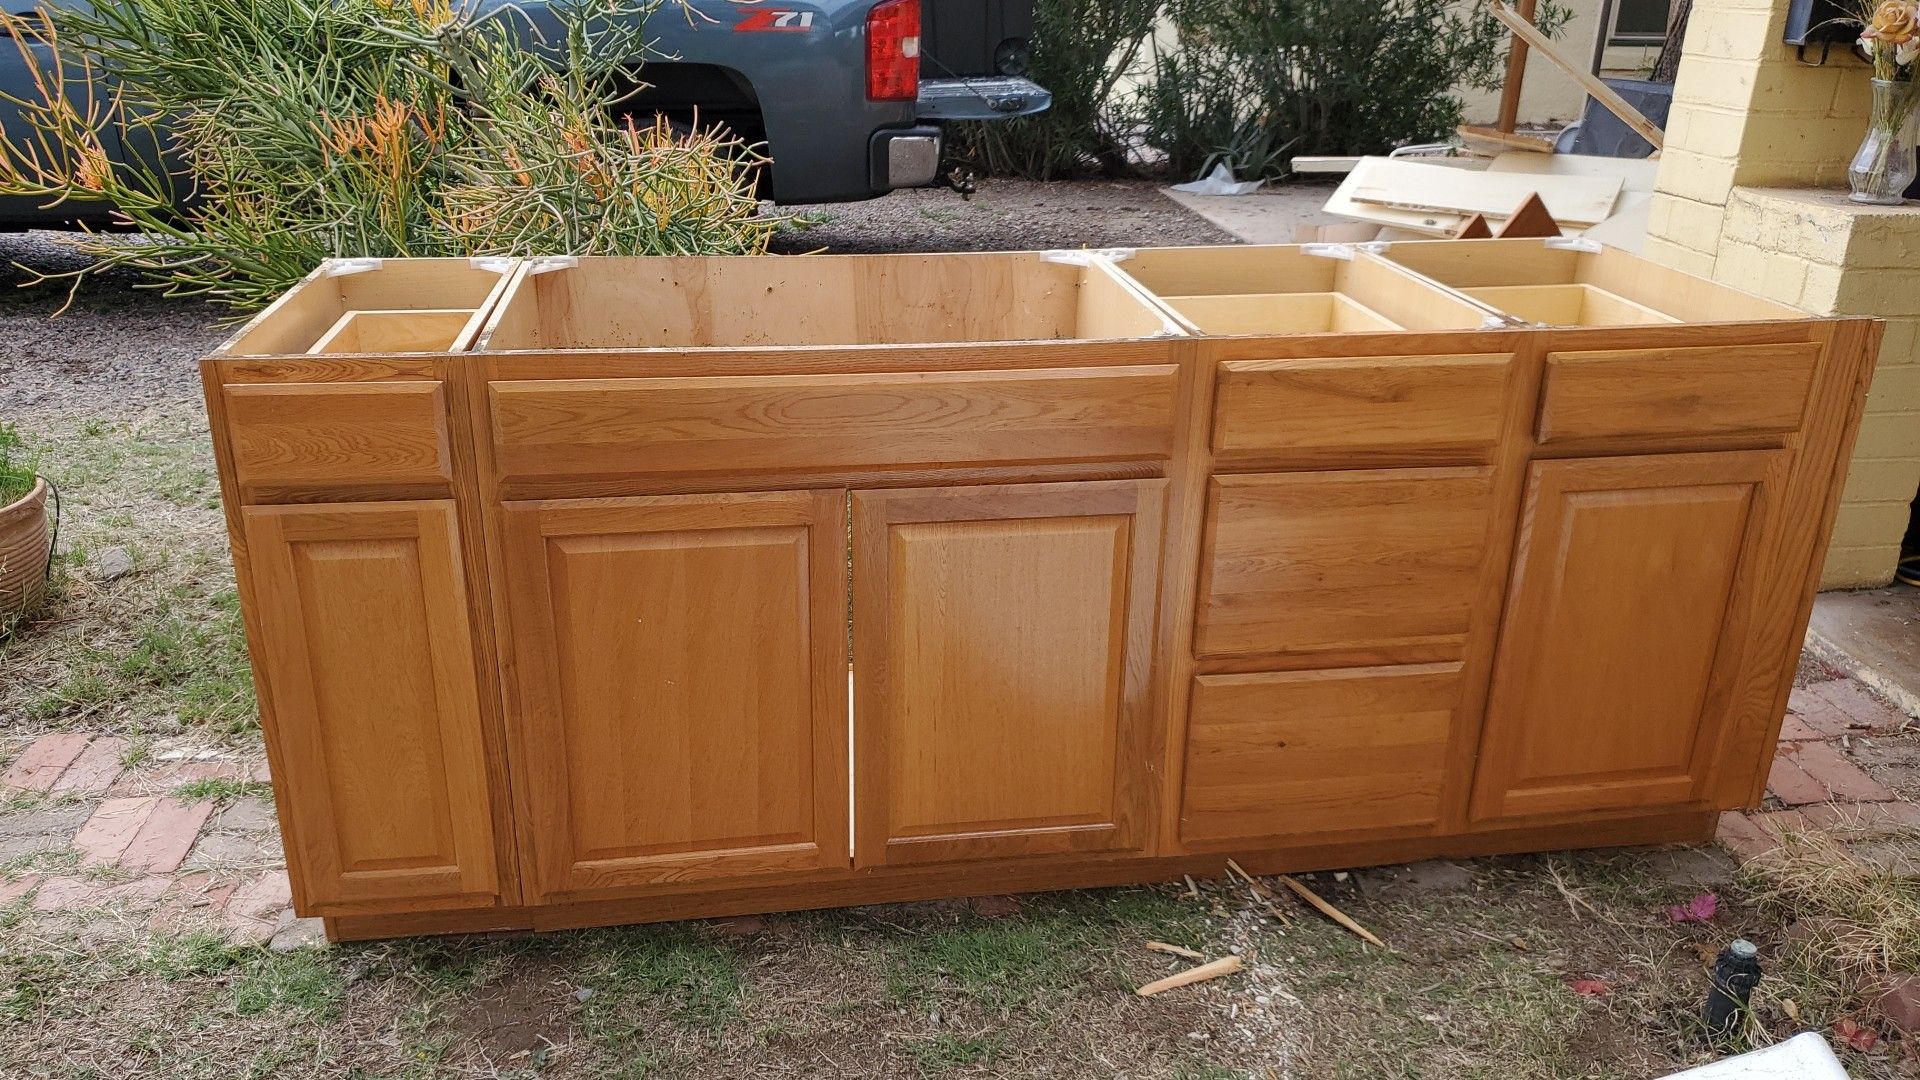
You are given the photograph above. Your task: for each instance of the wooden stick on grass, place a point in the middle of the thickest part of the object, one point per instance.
(1175, 950)
(1226, 965)
(1331, 912)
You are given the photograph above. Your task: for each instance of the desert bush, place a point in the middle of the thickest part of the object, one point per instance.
(1255, 82)
(1080, 51)
(303, 129)
(1248, 82)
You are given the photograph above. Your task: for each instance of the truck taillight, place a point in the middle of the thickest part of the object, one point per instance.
(893, 50)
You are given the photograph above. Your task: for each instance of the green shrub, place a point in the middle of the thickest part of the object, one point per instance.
(371, 128)
(1248, 82)
(1255, 82)
(16, 466)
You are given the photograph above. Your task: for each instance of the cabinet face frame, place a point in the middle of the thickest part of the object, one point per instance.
(1539, 591)
(1138, 507)
(295, 694)
(538, 724)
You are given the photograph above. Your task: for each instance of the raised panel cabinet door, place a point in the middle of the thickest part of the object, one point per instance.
(1002, 653)
(1618, 656)
(679, 706)
(369, 691)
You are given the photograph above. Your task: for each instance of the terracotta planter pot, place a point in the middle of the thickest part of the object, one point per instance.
(24, 550)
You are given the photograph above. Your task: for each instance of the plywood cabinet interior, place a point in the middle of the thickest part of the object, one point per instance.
(946, 575)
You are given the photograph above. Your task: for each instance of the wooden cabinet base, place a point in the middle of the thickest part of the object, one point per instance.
(676, 588)
(903, 884)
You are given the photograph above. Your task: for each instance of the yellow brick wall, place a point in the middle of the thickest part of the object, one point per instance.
(1752, 193)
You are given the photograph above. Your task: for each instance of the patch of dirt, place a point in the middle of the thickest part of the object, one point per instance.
(514, 1016)
(1812, 670)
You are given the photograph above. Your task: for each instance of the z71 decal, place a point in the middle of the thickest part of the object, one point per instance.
(774, 20)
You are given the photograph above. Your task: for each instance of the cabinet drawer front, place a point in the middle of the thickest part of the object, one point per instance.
(1273, 410)
(798, 423)
(338, 436)
(1674, 393)
(1302, 752)
(370, 695)
(1307, 563)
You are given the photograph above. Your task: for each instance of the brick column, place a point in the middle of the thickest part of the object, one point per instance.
(1752, 193)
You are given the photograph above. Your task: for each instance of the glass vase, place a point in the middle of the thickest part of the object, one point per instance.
(1884, 165)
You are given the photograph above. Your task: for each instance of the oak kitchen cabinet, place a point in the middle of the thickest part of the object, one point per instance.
(652, 588)
(363, 617)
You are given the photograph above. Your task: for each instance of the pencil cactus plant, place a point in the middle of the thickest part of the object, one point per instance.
(302, 129)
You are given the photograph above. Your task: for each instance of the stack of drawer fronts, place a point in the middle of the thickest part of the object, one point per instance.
(608, 590)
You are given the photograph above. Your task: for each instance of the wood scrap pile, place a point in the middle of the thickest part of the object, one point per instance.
(1265, 901)
(1420, 198)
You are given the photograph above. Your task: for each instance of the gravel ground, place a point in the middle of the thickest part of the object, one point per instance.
(1004, 215)
(118, 350)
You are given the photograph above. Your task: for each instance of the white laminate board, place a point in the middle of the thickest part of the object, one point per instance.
(1411, 185)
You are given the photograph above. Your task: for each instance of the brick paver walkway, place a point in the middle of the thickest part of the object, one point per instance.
(1816, 784)
(83, 836)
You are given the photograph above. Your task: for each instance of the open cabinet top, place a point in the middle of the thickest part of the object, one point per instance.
(783, 301)
(692, 303)
(350, 307)
(1552, 283)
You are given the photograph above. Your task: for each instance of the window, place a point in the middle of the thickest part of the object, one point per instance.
(1639, 22)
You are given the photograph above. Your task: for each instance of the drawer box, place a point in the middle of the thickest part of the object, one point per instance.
(606, 427)
(1301, 752)
(1272, 410)
(1674, 393)
(1293, 289)
(359, 307)
(1336, 562)
(364, 436)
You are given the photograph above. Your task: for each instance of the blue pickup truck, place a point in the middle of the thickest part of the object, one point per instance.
(847, 97)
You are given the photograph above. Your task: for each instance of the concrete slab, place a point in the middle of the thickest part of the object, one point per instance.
(1268, 216)
(1875, 635)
